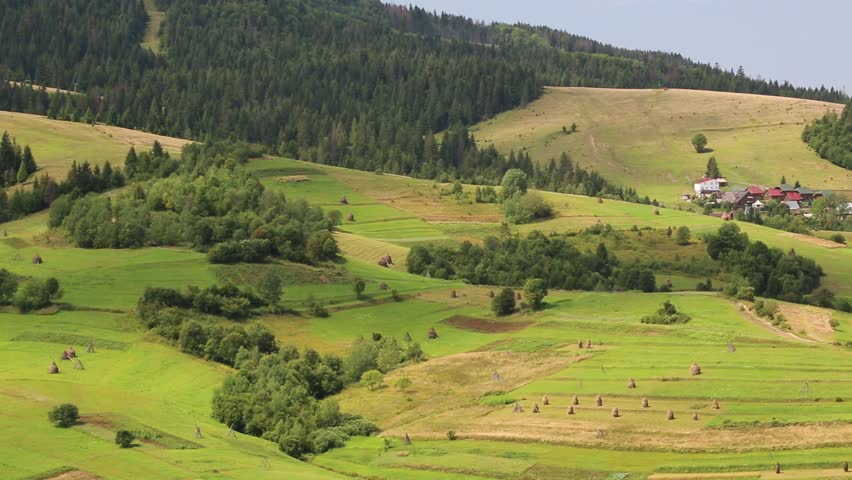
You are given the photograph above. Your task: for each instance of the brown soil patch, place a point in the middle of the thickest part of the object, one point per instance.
(75, 475)
(292, 179)
(484, 325)
(813, 321)
(757, 320)
(820, 242)
(461, 218)
(98, 420)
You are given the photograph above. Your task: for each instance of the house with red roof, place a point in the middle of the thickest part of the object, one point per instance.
(774, 194)
(793, 197)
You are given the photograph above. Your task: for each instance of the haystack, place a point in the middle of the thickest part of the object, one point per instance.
(407, 337)
(491, 294)
(383, 286)
(731, 347)
(599, 400)
(580, 344)
(670, 415)
(695, 415)
(406, 440)
(694, 369)
(589, 343)
(78, 365)
(350, 217)
(545, 401)
(496, 377)
(519, 295)
(453, 294)
(656, 211)
(71, 352)
(570, 409)
(600, 200)
(53, 368)
(90, 348)
(517, 408)
(631, 383)
(777, 468)
(65, 356)
(535, 408)
(324, 279)
(615, 413)
(197, 431)
(37, 260)
(575, 400)
(645, 403)
(846, 466)
(344, 200)
(715, 404)
(432, 335)
(383, 263)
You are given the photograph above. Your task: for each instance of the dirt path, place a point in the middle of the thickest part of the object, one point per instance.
(746, 312)
(769, 473)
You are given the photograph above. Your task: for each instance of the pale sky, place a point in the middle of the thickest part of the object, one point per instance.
(805, 42)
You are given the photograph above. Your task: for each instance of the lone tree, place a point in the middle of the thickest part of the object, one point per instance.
(535, 290)
(683, 235)
(514, 181)
(403, 383)
(712, 170)
(64, 416)
(372, 379)
(504, 302)
(699, 141)
(124, 438)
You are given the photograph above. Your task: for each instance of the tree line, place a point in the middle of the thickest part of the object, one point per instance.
(831, 137)
(16, 163)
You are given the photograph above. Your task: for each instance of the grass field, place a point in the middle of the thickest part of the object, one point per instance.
(55, 144)
(783, 395)
(642, 138)
(151, 40)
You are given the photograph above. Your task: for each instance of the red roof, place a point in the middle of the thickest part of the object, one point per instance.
(775, 192)
(793, 197)
(755, 190)
(705, 179)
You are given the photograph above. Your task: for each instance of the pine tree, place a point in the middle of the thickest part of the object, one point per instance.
(22, 173)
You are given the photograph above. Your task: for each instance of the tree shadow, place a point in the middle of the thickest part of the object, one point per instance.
(706, 150)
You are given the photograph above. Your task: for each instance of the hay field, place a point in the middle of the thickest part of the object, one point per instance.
(642, 138)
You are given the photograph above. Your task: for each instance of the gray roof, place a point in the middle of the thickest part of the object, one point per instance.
(792, 205)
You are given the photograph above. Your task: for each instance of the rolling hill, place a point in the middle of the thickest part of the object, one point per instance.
(641, 138)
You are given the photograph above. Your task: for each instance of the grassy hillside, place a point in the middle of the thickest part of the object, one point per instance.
(642, 138)
(56, 143)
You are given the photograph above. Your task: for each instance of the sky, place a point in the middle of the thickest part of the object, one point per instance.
(804, 42)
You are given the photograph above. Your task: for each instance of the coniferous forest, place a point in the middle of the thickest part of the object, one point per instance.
(354, 83)
(831, 137)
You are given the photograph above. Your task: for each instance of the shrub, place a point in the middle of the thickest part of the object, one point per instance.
(403, 384)
(667, 314)
(64, 416)
(838, 238)
(504, 302)
(124, 438)
(372, 379)
(834, 323)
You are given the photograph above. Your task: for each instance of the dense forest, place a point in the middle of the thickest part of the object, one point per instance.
(16, 163)
(831, 137)
(357, 83)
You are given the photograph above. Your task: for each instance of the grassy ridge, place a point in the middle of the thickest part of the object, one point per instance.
(641, 138)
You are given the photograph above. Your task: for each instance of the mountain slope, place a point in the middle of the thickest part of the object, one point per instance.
(641, 138)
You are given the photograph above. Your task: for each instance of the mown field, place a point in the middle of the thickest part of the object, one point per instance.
(783, 395)
(641, 138)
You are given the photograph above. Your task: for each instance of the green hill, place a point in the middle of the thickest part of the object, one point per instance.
(641, 138)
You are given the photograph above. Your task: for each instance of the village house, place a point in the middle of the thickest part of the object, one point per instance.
(708, 186)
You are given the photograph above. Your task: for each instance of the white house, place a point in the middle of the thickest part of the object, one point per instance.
(707, 186)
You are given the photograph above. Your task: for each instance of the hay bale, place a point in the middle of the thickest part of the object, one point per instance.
(570, 409)
(406, 440)
(90, 348)
(545, 401)
(37, 260)
(731, 347)
(645, 403)
(350, 217)
(580, 344)
(599, 400)
(694, 369)
(846, 467)
(695, 415)
(777, 468)
(453, 294)
(670, 415)
(71, 352)
(517, 408)
(656, 211)
(535, 408)
(383, 263)
(631, 383)
(589, 343)
(432, 335)
(53, 368)
(324, 279)
(600, 200)
(615, 413)
(383, 286)
(407, 337)
(78, 365)
(197, 431)
(518, 295)
(491, 294)
(65, 356)
(344, 200)
(715, 404)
